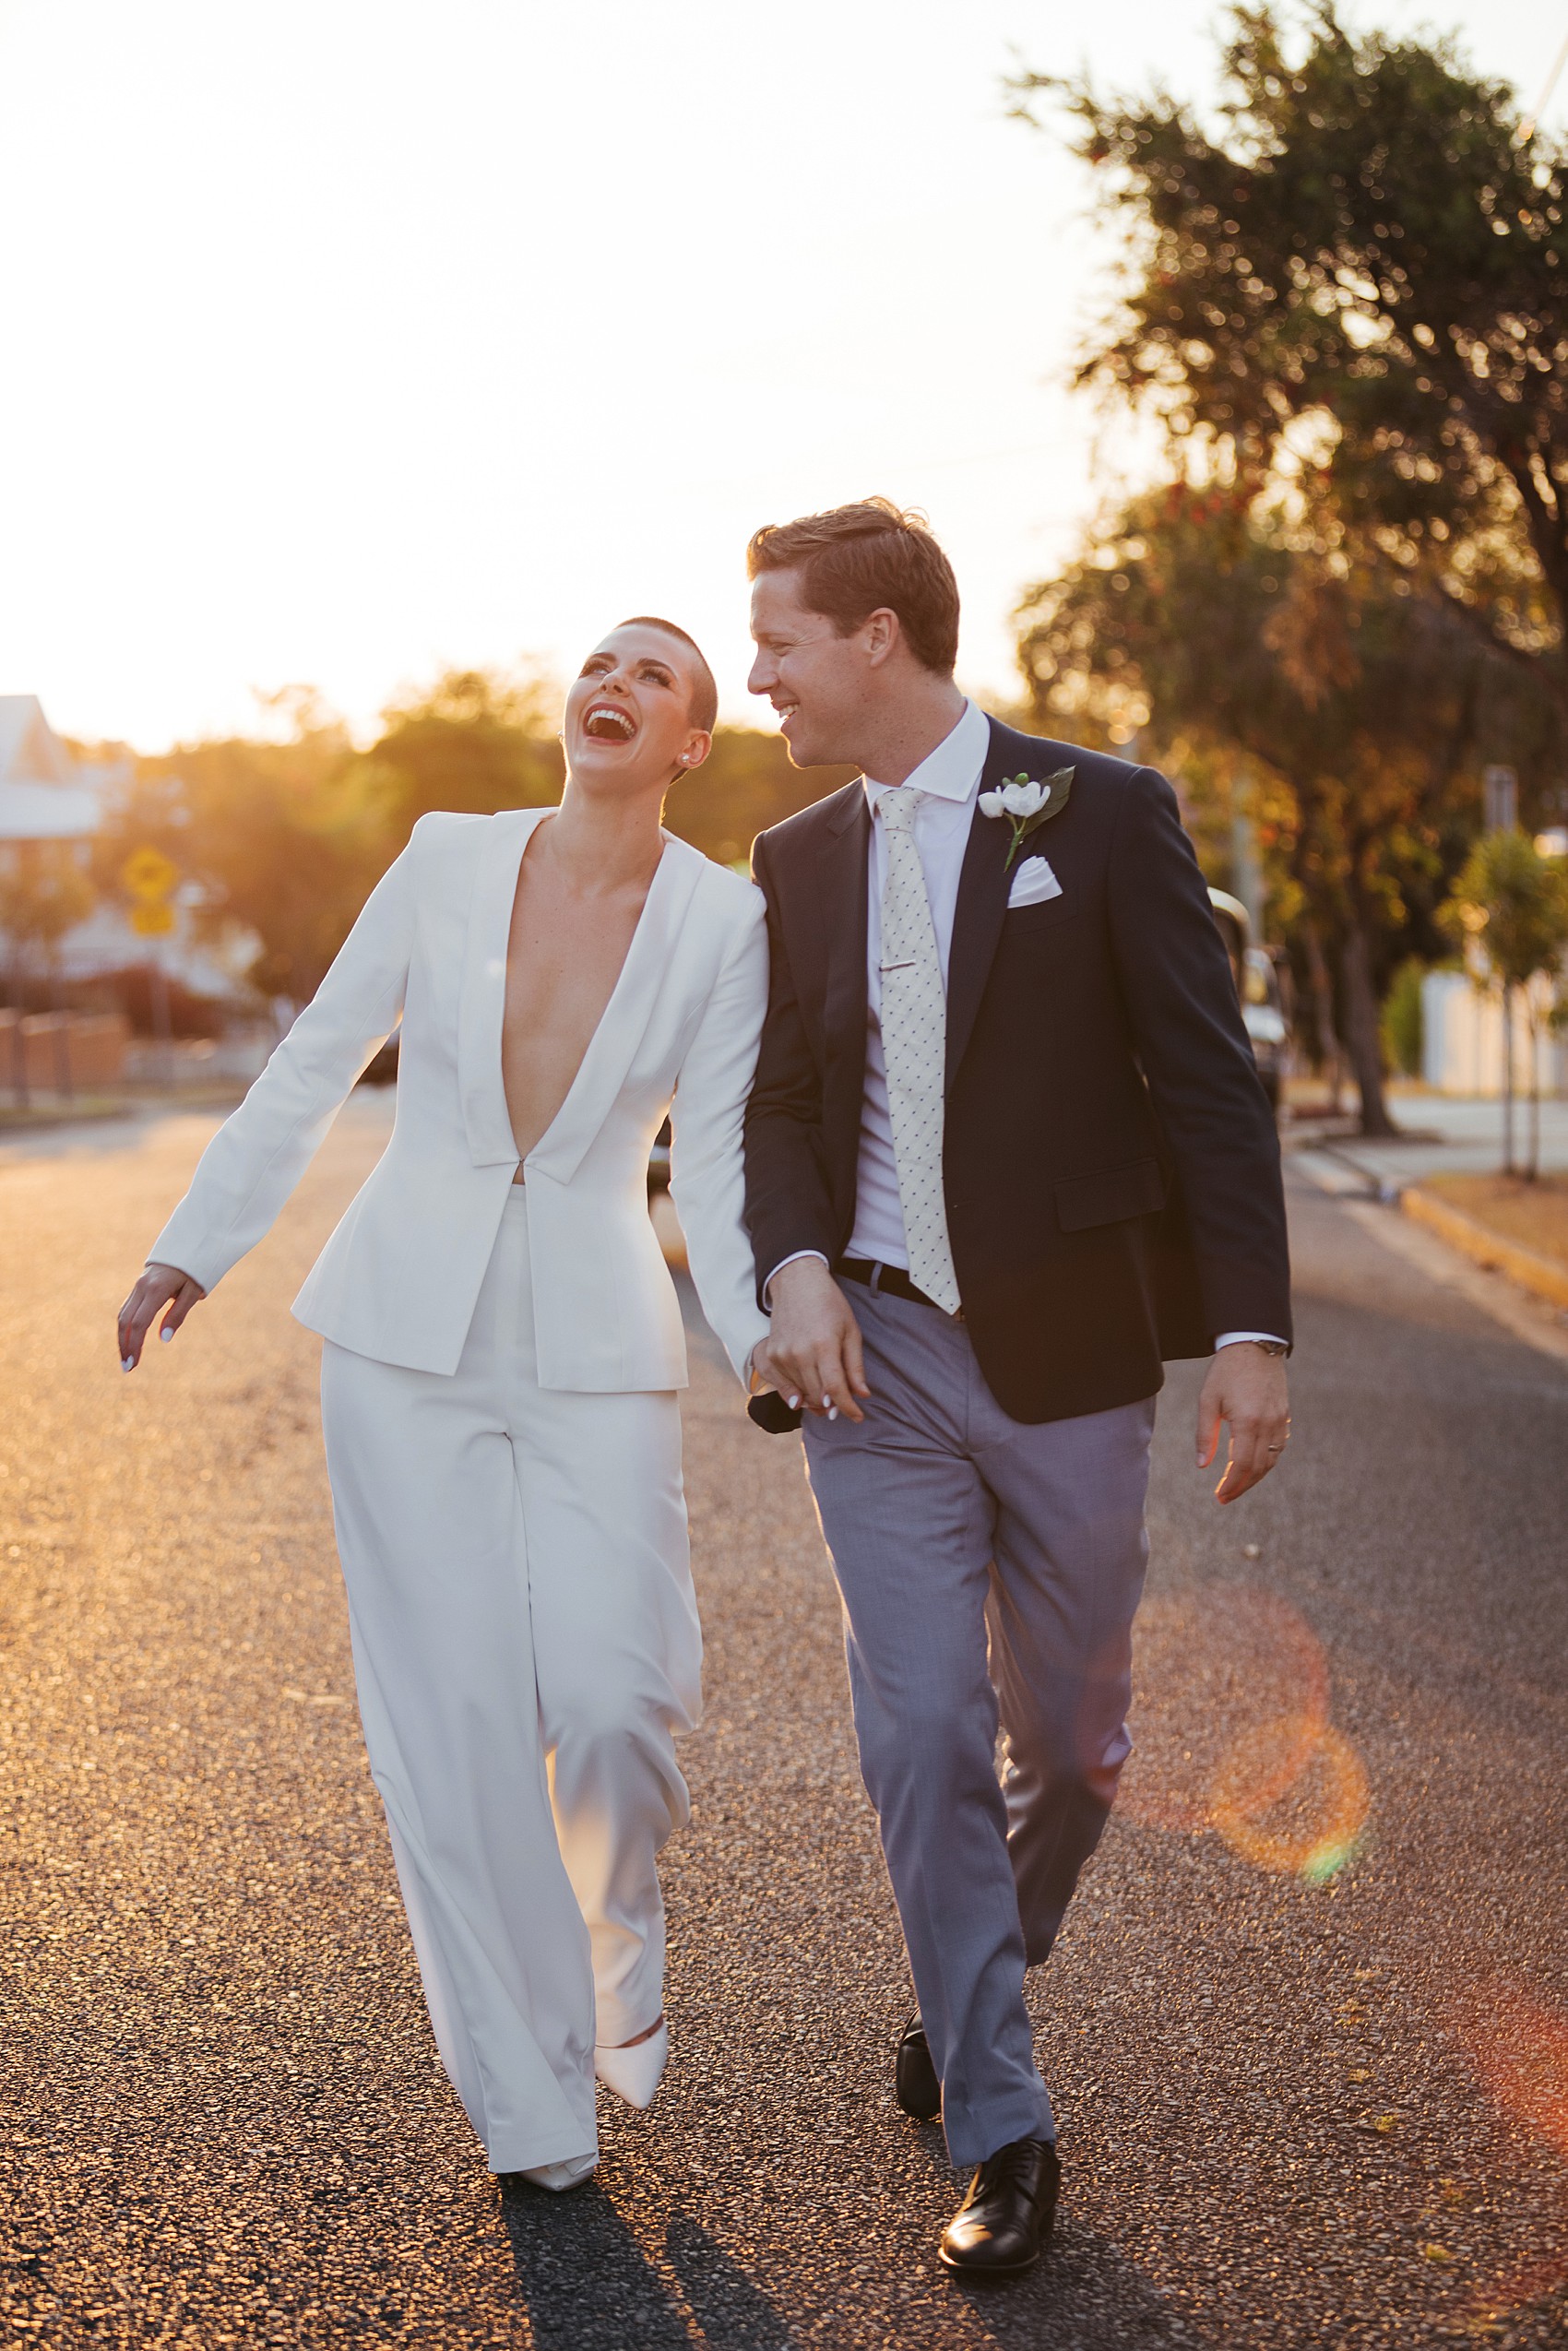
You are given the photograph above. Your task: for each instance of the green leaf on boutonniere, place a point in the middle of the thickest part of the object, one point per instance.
(1058, 791)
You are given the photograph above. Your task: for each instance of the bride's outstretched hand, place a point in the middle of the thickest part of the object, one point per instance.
(159, 1286)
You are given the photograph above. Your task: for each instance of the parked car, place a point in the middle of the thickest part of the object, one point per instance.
(1257, 985)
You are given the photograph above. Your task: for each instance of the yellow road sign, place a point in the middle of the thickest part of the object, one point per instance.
(148, 873)
(152, 918)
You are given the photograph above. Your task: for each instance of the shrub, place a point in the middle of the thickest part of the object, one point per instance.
(1403, 1034)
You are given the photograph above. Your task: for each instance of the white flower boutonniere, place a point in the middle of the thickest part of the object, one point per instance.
(1027, 805)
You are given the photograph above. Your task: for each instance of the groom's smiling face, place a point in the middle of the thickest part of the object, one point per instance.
(815, 677)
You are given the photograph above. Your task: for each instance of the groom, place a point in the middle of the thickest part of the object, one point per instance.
(1006, 1153)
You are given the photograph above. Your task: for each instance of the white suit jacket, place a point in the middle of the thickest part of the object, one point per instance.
(400, 1278)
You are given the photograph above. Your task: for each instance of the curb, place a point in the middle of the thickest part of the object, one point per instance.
(1537, 1275)
(14, 1120)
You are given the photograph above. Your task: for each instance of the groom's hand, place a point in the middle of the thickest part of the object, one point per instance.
(814, 1345)
(1246, 1389)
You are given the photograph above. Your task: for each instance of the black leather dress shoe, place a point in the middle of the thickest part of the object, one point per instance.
(1001, 2226)
(914, 2076)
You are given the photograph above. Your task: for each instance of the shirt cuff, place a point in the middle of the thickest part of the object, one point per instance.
(793, 1259)
(1234, 1338)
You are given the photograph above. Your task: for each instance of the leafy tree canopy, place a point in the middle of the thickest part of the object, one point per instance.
(745, 784)
(1361, 267)
(1511, 903)
(480, 741)
(1348, 717)
(284, 839)
(477, 742)
(287, 839)
(44, 892)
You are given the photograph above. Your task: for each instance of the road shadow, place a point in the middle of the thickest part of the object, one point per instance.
(1084, 2293)
(585, 2283)
(588, 2286)
(727, 2307)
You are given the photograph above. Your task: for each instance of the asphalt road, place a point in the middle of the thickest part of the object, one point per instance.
(1307, 2030)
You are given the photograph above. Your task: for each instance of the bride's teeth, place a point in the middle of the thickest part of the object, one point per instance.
(603, 711)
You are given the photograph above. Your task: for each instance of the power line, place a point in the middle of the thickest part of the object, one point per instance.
(1527, 127)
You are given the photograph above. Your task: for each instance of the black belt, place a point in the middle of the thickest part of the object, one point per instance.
(891, 1280)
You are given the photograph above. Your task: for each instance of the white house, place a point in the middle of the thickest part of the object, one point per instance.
(46, 794)
(1462, 1040)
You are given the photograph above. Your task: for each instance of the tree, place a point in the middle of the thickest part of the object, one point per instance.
(1509, 908)
(745, 784)
(1362, 274)
(1346, 713)
(1403, 1024)
(284, 840)
(477, 740)
(481, 740)
(44, 891)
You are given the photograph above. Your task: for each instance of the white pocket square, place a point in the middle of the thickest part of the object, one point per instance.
(1034, 883)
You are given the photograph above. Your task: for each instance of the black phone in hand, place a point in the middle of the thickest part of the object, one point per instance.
(770, 1412)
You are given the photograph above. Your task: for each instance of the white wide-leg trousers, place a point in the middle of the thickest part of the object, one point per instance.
(526, 1646)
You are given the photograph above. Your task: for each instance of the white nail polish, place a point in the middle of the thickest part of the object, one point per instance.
(127, 1363)
(165, 1337)
(794, 1404)
(833, 1412)
(827, 1404)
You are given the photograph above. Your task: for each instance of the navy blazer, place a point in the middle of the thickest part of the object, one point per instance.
(1111, 1160)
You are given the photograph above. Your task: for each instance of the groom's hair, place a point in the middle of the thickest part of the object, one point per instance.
(855, 560)
(705, 692)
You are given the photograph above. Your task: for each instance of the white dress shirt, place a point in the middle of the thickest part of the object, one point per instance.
(948, 780)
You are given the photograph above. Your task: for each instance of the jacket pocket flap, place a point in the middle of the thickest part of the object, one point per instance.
(1108, 1198)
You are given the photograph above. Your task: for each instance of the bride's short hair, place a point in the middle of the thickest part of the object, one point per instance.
(705, 692)
(853, 559)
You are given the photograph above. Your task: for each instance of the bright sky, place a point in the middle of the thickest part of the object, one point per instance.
(347, 338)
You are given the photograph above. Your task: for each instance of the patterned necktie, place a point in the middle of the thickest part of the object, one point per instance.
(914, 1045)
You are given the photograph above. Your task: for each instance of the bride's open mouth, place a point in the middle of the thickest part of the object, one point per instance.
(609, 723)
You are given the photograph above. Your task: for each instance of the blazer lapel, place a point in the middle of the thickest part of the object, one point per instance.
(623, 1022)
(482, 1003)
(982, 902)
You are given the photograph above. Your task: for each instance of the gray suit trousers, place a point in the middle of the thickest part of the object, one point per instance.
(990, 1573)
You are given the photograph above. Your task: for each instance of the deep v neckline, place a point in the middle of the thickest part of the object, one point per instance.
(606, 1018)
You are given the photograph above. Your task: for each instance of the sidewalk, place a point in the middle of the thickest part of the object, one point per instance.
(1468, 1142)
(1438, 1176)
(138, 1114)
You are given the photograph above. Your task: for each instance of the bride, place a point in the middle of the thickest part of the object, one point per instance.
(503, 1351)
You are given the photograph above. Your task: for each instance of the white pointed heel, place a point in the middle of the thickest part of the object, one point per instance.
(559, 2177)
(634, 2073)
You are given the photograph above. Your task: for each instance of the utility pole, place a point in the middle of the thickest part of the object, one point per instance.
(1246, 868)
(1500, 787)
